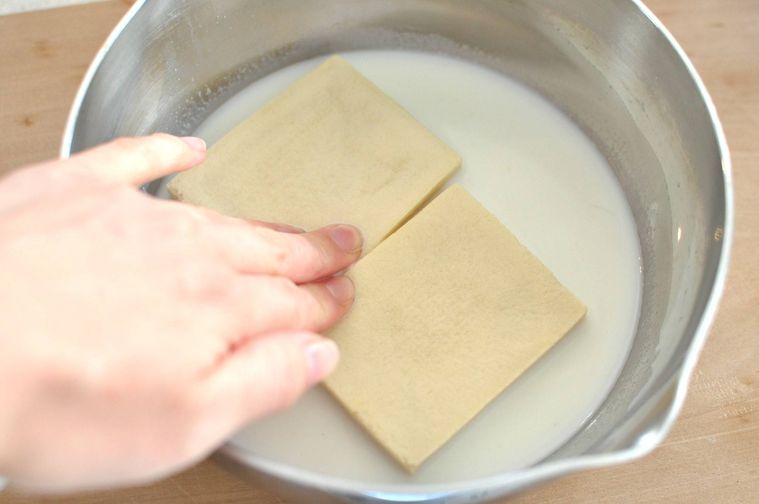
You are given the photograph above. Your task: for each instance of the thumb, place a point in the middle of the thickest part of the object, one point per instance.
(141, 159)
(267, 374)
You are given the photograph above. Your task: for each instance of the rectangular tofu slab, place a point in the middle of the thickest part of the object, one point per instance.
(450, 310)
(331, 148)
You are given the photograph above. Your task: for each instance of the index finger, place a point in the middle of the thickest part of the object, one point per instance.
(303, 257)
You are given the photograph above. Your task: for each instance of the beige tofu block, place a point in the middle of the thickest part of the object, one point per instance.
(450, 310)
(332, 148)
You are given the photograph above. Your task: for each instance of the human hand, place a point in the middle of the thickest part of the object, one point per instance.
(137, 334)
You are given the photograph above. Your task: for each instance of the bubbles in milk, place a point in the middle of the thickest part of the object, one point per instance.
(537, 172)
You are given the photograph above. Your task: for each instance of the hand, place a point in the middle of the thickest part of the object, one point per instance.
(137, 334)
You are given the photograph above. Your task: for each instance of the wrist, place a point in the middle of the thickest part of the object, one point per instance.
(4, 455)
(8, 411)
(5, 441)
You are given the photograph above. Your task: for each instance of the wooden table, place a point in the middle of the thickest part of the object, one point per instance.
(712, 455)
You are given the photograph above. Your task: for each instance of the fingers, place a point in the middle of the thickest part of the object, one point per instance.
(266, 304)
(309, 256)
(215, 217)
(265, 375)
(139, 160)
(282, 228)
(304, 257)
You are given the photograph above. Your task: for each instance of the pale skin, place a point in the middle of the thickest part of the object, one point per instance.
(137, 334)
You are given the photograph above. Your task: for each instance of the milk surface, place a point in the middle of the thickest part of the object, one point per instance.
(537, 172)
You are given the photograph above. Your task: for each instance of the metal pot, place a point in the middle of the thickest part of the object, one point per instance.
(611, 66)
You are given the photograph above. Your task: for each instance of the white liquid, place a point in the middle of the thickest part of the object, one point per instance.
(537, 172)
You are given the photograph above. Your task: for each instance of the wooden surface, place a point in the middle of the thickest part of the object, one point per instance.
(712, 454)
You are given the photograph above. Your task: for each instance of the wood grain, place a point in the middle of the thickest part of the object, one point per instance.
(712, 455)
(43, 56)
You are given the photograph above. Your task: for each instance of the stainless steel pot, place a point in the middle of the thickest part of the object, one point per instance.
(611, 66)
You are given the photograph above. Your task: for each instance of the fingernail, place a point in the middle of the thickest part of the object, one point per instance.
(341, 289)
(321, 356)
(347, 238)
(195, 143)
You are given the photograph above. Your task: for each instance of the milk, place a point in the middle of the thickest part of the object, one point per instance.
(538, 173)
